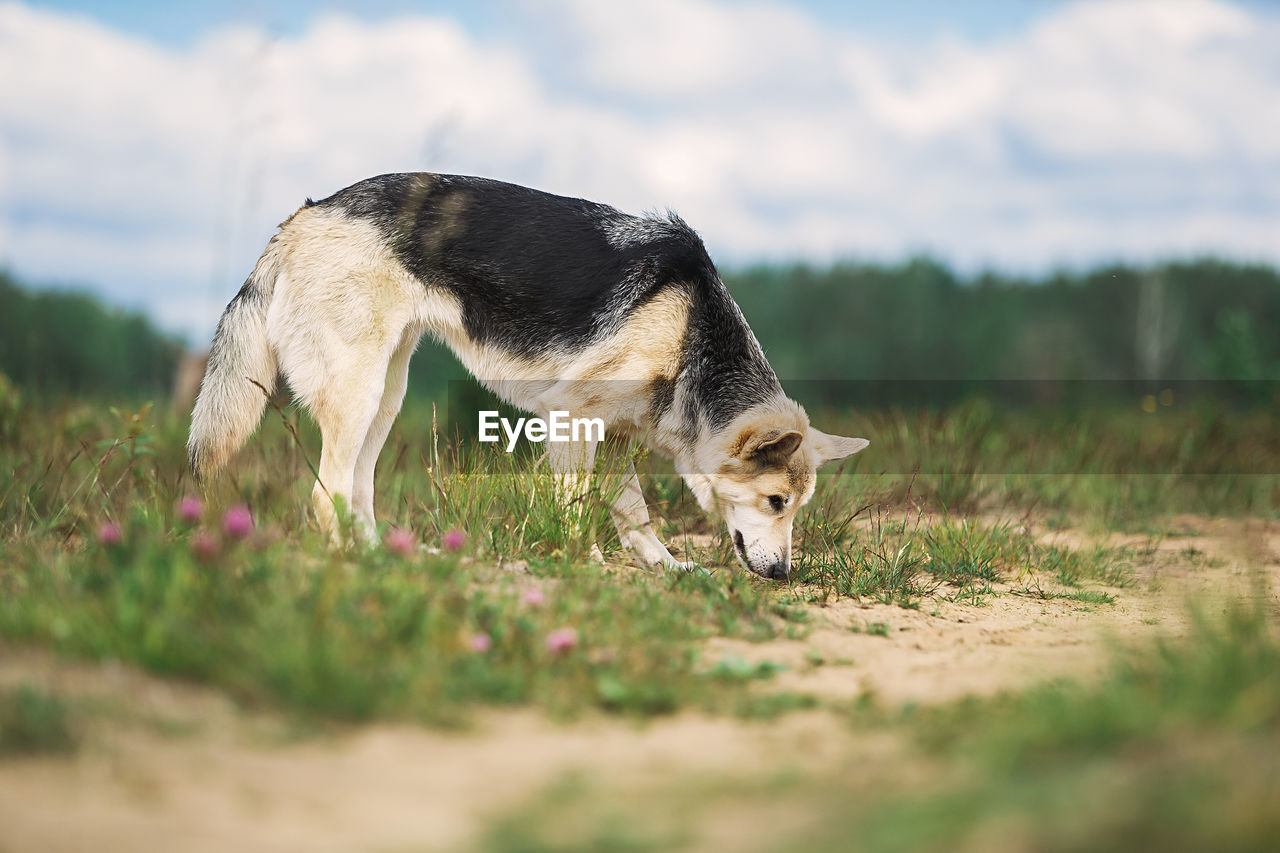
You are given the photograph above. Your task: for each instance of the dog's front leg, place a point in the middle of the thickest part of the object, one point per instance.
(631, 517)
(571, 463)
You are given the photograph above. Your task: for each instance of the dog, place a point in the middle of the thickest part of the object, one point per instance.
(554, 303)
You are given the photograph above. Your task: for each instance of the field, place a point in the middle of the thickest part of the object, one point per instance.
(1007, 628)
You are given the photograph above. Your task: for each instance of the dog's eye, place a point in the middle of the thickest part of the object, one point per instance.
(777, 502)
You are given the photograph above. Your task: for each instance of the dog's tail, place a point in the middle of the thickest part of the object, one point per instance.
(241, 372)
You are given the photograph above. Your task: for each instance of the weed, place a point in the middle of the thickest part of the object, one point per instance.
(901, 560)
(33, 721)
(886, 565)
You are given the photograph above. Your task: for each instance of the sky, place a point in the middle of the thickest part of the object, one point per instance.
(147, 150)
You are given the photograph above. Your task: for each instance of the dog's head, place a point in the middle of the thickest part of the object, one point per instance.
(757, 473)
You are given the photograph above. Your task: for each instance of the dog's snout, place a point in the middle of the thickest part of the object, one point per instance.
(777, 570)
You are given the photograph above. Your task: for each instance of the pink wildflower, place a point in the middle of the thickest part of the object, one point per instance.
(453, 540)
(561, 640)
(190, 509)
(237, 523)
(480, 642)
(533, 596)
(400, 540)
(204, 546)
(110, 534)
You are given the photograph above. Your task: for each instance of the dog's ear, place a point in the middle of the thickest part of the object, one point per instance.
(769, 446)
(831, 448)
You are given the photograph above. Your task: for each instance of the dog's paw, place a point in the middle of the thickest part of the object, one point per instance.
(689, 567)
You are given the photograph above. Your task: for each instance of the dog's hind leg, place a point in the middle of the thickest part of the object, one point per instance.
(397, 379)
(395, 383)
(341, 385)
(344, 418)
(631, 517)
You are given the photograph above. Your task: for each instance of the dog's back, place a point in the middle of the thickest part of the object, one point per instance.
(533, 271)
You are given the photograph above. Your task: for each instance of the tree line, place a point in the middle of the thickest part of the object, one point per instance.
(835, 331)
(59, 342)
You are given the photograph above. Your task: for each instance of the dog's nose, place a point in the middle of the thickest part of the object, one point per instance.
(779, 571)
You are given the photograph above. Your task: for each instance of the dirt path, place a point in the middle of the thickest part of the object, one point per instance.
(183, 769)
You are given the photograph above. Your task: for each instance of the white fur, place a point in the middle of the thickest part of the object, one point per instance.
(230, 405)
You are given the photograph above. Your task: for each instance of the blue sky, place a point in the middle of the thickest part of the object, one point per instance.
(148, 149)
(184, 23)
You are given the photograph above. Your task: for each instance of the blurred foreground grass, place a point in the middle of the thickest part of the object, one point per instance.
(1174, 749)
(33, 721)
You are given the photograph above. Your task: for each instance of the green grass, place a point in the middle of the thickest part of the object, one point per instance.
(1087, 596)
(1120, 466)
(280, 620)
(34, 721)
(902, 558)
(376, 634)
(555, 822)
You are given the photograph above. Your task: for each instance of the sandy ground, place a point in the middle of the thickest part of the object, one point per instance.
(944, 649)
(168, 766)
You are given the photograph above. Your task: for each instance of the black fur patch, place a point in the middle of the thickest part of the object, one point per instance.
(662, 392)
(726, 369)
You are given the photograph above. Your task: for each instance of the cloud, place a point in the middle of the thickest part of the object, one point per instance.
(1123, 129)
(679, 50)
